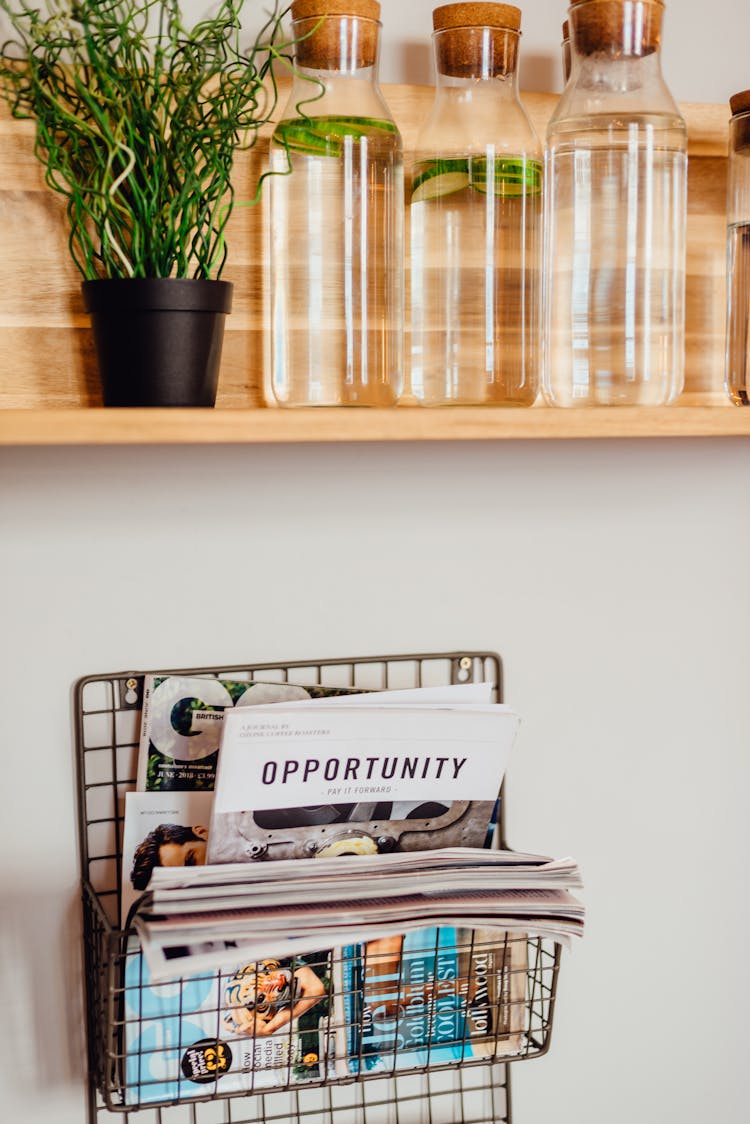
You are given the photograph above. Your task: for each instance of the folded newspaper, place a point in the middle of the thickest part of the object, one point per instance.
(198, 918)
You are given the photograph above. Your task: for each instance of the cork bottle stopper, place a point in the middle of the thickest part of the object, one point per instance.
(739, 127)
(459, 51)
(616, 27)
(477, 15)
(565, 30)
(739, 103)
(322, 47)
(305, 9)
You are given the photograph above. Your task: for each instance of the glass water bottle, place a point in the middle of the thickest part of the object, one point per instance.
(475, 220)
(335, 219)
(738, 251)
(615, 216)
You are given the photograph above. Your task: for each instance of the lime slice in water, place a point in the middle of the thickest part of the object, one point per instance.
(441, 177)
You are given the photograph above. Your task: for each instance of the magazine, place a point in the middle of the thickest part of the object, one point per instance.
(181, 724)
(493, 972)
(402, 1002)
(248, 1027)
(317, 780)
(434, 996)
(161, 829)
(338, 1048)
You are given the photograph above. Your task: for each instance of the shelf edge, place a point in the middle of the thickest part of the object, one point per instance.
(98, 426)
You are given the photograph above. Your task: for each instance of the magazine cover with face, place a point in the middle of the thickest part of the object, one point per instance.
(160, 829)
(259, 1025)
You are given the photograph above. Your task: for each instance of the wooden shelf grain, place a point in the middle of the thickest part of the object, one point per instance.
(97, 426)
(49, 391)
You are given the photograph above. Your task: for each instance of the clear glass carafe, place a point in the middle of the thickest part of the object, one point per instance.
(474, 203)
(335, 219)
(738, 251)
(615, 216)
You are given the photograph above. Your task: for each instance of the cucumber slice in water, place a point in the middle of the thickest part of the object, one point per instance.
(508, 177)
(446, 183)
(323, 136)
(441, 177)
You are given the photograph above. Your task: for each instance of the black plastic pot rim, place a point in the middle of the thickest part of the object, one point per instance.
(157, 294)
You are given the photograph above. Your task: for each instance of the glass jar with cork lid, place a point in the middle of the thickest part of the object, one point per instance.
(335, 219)
(474, 206)
(615, 216)
(738, 251)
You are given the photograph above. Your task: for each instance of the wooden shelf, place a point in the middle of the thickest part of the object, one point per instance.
(49, 390)
(97, 426)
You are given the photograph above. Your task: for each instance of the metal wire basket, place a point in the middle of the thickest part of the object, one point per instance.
(446, 1078)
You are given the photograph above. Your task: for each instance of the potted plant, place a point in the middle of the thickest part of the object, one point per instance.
(138, 119)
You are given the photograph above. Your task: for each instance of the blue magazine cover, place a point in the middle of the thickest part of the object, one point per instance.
(402, 1002)
(432, 997)
(253, 1026)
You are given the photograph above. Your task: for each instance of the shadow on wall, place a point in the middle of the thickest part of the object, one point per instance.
(42, 1040)
(413, 59)
(540, 73)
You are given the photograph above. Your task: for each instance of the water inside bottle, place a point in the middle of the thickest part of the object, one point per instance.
(475, 271)
(615, 217)
(738, 329)
(336, 272)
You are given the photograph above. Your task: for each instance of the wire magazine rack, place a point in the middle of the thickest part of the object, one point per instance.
(455, 1072)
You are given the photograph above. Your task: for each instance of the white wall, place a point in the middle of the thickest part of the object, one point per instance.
(610, 576)
(702, 46)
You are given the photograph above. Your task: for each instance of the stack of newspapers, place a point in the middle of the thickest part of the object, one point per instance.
(199, 918)
(306, 867)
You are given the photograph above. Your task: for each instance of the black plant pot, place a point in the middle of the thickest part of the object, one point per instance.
(158, 340)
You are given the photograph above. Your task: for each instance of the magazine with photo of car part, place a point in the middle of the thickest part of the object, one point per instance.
(346, 777)
(181, 721)
(251, 1026)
